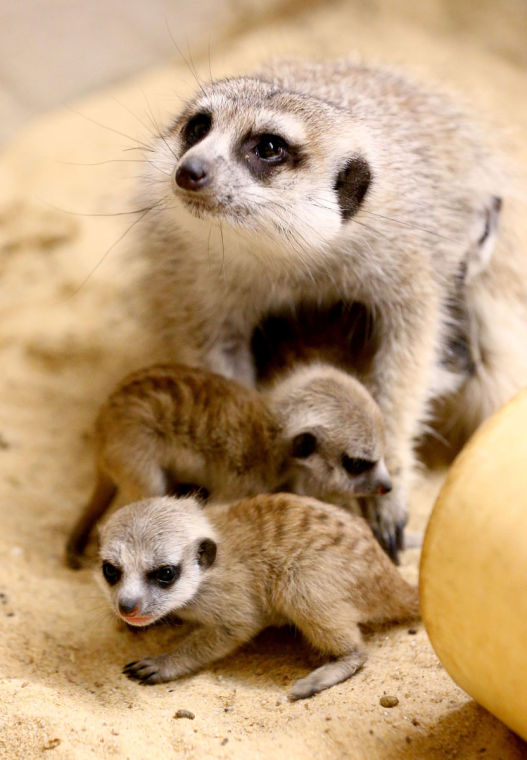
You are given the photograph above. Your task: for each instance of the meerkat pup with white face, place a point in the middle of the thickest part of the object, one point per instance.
(232, 570)
(173, 429)
(315, 184)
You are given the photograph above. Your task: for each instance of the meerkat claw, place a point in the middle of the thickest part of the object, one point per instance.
(147, 671)
(141, 670)
(399, 535)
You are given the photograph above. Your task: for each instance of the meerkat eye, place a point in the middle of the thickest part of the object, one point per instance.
(165, 575)
(196, 129)
(356, 466)
(112, 574)
(304, 444)
(271, 148)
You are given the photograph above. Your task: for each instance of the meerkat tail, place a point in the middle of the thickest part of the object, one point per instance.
(101, 498)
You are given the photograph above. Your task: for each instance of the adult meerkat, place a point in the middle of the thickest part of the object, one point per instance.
(313, 184)
(235, 569)
(173, 429)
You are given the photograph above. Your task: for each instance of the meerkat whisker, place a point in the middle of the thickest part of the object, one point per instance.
(139, 143)
(107, 213)
(102, 163)
(110, 249)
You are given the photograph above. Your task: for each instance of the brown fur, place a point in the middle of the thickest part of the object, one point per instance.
(280, 559)
(172, 425)
(173, 429)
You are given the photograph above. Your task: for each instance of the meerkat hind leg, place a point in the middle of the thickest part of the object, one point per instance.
(336, 634)
(328, 675)
(101, 498)
(142, 480)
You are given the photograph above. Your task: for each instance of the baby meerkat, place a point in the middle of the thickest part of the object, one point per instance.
(171, 429)
(232, 570)
(336, 430)
(313, 184)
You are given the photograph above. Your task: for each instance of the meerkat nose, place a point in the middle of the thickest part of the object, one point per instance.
(383, 481)
(128, 608)
(384, 487)
(193, 174)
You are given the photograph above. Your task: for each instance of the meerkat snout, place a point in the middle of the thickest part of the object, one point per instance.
(128, 608)
(367, 476)
(193, 174)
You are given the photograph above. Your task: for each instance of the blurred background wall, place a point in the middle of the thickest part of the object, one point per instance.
(54, 50)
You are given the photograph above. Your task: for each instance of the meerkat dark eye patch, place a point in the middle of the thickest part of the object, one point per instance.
(206, 552)
(356, 466)
(262, 153)
(304, 444)
(351, 185)
(165, 575)
(196, 128)
(112, 574)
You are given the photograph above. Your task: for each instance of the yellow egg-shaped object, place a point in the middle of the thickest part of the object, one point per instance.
(473, 574)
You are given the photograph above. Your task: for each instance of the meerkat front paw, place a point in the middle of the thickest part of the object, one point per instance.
(387, 517)
(149, 671)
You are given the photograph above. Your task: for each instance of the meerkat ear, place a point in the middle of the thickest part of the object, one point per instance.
(206, 552)
(303, 445)
(351, 184)
(480, 254)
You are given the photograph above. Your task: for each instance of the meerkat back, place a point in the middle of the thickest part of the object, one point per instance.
(188, 426)
(173, 429)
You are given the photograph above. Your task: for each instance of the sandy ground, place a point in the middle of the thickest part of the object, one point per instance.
(64, 341)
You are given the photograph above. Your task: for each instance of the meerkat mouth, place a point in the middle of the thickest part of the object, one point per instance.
(137, 620)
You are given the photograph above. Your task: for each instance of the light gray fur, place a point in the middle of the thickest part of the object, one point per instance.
(220, 260)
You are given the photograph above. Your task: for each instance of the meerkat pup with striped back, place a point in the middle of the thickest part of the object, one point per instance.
(174, 429)
(314, 184)
(232, 570)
